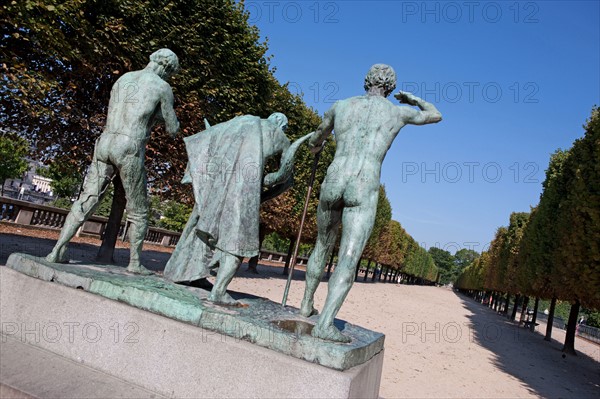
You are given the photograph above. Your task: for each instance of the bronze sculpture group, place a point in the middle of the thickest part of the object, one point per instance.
(226, 167)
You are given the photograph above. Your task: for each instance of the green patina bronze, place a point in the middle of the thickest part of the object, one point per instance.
(365, 127)
(137, 101)
(226, 166)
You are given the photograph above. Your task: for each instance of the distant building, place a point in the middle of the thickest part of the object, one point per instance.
(31, 186)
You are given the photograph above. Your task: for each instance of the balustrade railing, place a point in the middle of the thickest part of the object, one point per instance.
(48, 217)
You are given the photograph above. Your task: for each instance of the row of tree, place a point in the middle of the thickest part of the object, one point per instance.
(553, 252)
(393, 252)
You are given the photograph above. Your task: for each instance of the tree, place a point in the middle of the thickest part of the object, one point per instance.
(576, 271)
(445, 263)
(382, 218)
(578, 220)
(539, 237)
(174, 215)
(66, 178)
(59, 61)
(464, 257)
(13, 150)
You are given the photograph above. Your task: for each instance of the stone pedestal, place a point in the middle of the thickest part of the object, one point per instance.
(54, 309)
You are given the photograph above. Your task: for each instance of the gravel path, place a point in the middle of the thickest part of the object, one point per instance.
(439, 344)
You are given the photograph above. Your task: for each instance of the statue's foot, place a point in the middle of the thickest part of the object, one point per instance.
(330, 333)
(138, 269)
(58, 256)
(307, 309)
(224, 299)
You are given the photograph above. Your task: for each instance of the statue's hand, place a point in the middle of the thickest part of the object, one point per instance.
(270, 179)
(406, 98)
(315, 149)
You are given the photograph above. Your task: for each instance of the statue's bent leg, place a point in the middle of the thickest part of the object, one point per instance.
(357, 225)
(328, 222)
(133, 177)
(94, 188)
(228, 265)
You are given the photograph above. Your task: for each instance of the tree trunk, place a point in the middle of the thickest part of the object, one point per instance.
(253, 262)
(550, 321)
(569, 346)
(367, 271)
(380, 273)
(330, 264)
(524, 309)
(111, 231)
(286, 267)
(374, 272)
(515, 307)
(357, 269)
(506, 304)
(2, 188)
(534, 318)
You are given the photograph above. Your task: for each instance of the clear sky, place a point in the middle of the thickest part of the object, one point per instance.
(513, 80)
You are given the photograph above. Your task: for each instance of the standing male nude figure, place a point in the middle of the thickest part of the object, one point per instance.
(365, 127)
(137, 101)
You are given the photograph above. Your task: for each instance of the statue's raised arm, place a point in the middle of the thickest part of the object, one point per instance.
(428, 112)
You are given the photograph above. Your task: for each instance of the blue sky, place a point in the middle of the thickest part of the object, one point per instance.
(513, 80)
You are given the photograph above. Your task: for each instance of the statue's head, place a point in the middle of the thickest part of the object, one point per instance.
(279, 119)
(381, 76)
(166, 63)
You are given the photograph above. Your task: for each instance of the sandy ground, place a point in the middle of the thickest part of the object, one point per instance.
(439, 344)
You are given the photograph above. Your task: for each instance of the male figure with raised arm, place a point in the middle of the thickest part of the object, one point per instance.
(137, 101)
(365, 127)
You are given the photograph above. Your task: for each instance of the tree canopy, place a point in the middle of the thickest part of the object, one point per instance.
(13, 150)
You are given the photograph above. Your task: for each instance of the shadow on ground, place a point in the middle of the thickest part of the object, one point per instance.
(153, 260)
(538, 364)
(78, 252)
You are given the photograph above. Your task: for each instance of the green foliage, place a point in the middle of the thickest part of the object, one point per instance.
(59, 61)
(495, 276)
(473, 276)
(66, 178)
(62, 203)
(516, 278)
(539, 237)
(274, 242)
(13, 150)
(419, 262)
(392, 245)
(174, 215)
(464, 257)
(444, 261)
(577, 258)
(592, 319)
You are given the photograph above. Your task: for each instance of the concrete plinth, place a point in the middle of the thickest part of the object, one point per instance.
(159, 354)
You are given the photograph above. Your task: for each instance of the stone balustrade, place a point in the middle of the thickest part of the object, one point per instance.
(48, 217)
(42, 216)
